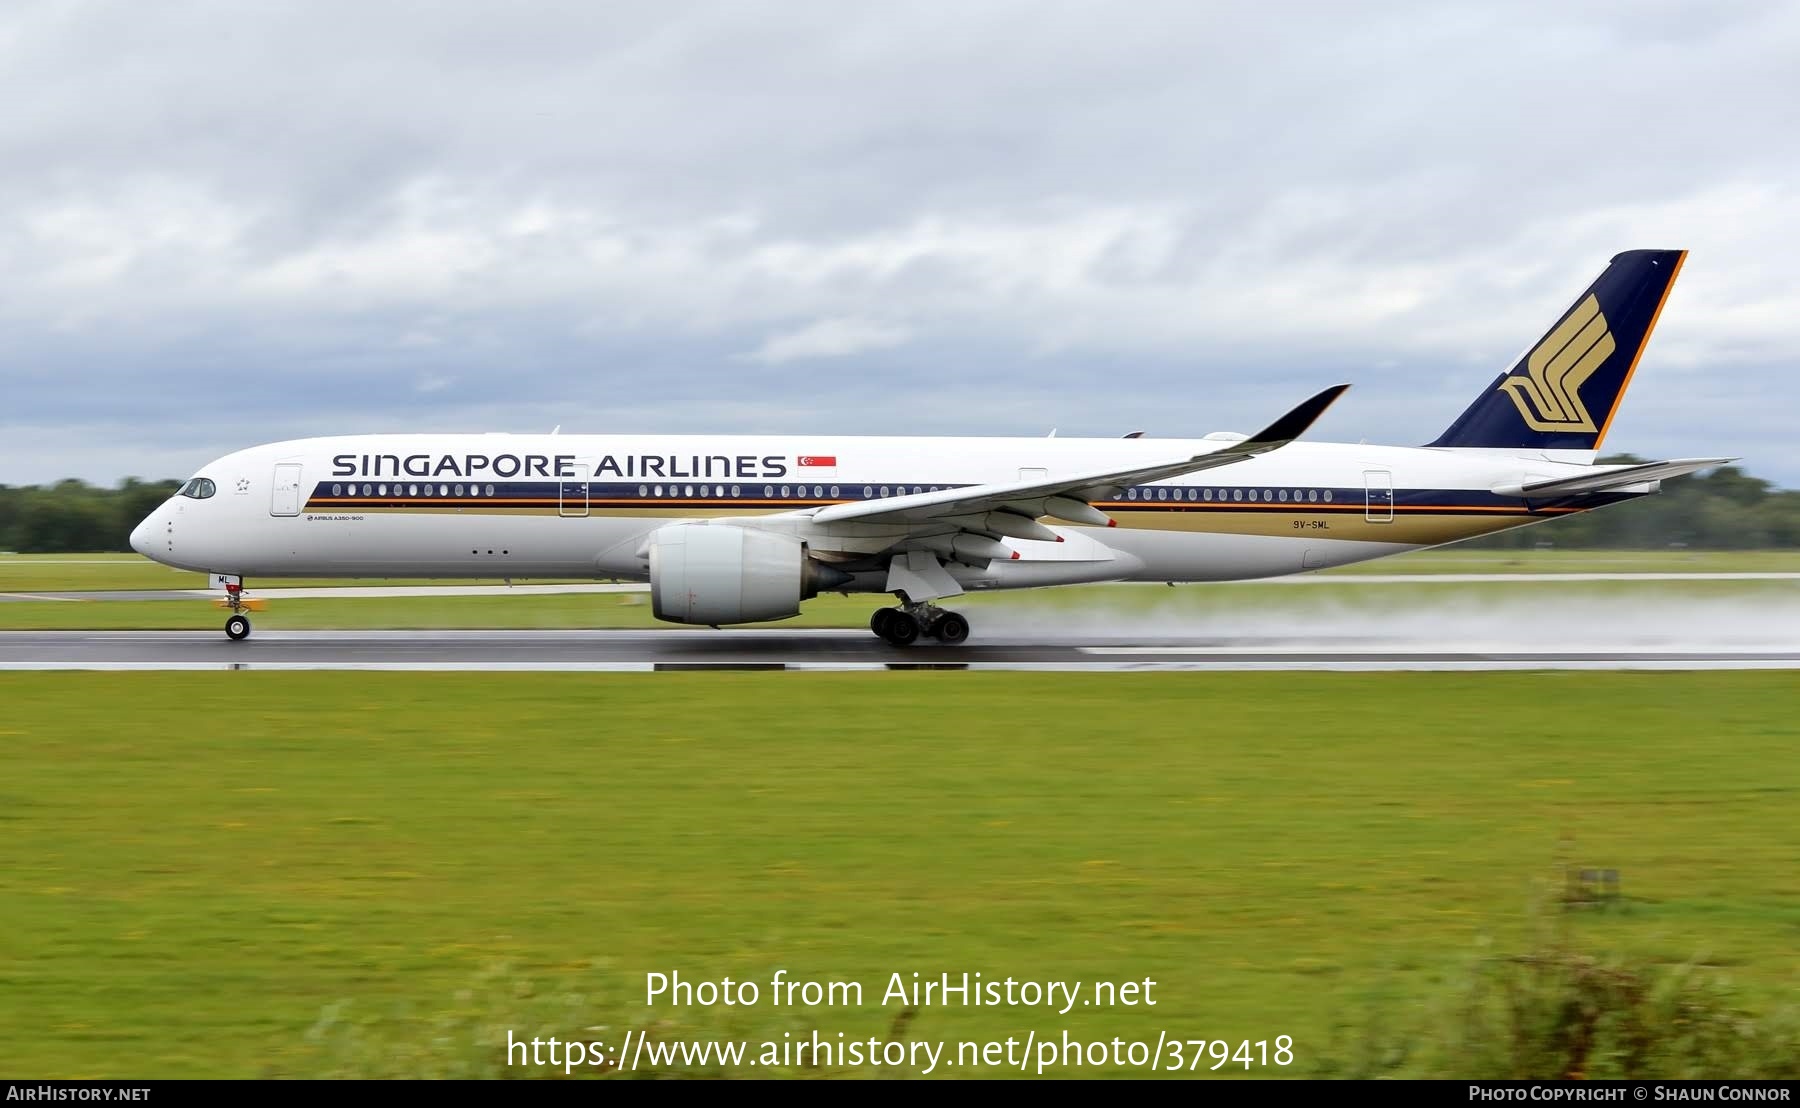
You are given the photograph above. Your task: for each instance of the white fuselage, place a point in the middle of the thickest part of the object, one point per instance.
(522, 506)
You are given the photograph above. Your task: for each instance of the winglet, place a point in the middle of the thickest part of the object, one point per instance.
(1292, 425)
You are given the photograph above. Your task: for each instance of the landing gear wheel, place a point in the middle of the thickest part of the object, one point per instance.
(237, 627)
(899, 627)
(950, 628)
(878, 622)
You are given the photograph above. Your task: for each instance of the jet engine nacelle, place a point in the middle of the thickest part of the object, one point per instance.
(716, 573)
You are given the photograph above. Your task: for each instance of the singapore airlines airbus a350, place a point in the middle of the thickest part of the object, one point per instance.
(731, 530)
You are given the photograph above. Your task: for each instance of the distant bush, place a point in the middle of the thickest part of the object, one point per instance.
(1720, 509)
(1552, 1013)
(73, 516)
(1556, 1012)
(467, 1036)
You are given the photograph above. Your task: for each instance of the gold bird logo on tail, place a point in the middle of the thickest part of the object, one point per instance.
(1549, 395)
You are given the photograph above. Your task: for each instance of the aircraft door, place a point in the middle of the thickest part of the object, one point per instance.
(284, 500)
(1379, 505)
(573, 499)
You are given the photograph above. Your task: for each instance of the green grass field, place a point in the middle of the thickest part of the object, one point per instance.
(304, 874)
(27, 573)
(1194, 606)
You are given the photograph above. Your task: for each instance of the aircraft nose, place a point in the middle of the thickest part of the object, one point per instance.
(140, 536)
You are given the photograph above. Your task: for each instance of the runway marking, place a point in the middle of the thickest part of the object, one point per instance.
(831, 649)
(1513, 650)
(1225, 665)
(34, 596)
(33, 560)
(1492, 578)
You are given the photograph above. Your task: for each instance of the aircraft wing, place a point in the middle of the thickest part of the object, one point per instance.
(1610, 477)
(1067, 498)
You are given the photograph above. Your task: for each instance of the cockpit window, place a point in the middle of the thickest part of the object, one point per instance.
(198, 489)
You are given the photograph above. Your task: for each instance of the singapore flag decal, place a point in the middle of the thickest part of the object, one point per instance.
(827, 461)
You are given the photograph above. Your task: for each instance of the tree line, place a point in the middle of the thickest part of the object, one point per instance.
(74, 516)
(1721, 509)
(1718, 509)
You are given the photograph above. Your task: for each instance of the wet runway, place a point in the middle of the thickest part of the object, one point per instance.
(645, 651)
(394, 592)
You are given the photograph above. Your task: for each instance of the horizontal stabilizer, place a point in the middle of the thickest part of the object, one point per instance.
(1603, 478)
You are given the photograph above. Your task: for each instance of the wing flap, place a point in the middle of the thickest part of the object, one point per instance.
(1610, 477)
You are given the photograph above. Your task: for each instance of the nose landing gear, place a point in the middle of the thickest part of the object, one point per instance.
(237, 625)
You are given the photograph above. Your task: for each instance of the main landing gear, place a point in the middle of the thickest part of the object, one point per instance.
(902, 626)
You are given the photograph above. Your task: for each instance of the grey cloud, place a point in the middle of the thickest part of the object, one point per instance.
(757, 218)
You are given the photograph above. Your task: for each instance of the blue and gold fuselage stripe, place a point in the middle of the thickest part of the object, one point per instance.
(537, 495)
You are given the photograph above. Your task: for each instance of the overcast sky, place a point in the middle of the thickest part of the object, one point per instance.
(228, 223)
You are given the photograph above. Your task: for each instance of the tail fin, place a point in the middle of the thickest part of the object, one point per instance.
(1564, 393)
